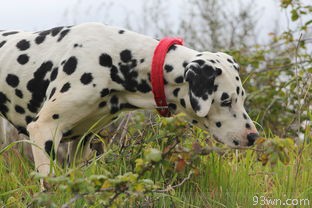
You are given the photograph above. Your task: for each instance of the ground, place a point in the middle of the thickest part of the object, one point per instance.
(233, 179)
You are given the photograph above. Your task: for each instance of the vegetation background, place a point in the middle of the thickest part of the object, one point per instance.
(150, 161)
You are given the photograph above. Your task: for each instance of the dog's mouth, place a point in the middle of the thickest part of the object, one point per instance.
(236, 144)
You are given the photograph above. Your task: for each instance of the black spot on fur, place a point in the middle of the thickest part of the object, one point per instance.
(70, 65)
(106, 60)
(86, 78)
(115, 107)
(144, 87)
(226, 103)
(28, 119)
(215, 88)
(142, 60)
(54, 74)
(102, 104)
(52, 93)
(236, 67)
(224, 96)
(3, 100)
(114, 104)
(121, 31)
(22, 130)
(237, 78)
(247, 125)
(3, 97)
(19, 109)
(65, 87)
(23, 59)
(18, 93)
(40, 39)
(23, 45)
(126, 55)
(38, 86)
(63, 34)
(243, 93)
(218, 71)
(12, 80)
(2, 43)
(165, 82)
(245, 116)
(179, 79)
(176, 92)
(172, 48)
(49, 148)
(229, 60)
(182, 102)
(237, 90)
(185, 63)
(10, 33)
(200, 54)
(212, 61)
(168, 68)
(55, 31)
(104, 92)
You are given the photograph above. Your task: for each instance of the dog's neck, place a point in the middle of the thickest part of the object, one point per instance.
(176, 89)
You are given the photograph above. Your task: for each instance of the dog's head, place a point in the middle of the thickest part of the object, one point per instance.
(217, 99)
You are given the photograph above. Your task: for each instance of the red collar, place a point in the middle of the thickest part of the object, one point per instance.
(157, 76)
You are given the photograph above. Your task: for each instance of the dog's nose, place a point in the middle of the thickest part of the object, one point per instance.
(252, 138)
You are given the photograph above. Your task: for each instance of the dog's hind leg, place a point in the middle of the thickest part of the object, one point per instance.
(80, 150)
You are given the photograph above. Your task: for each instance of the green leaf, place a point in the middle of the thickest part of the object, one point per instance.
(308, 22)
(152, 155)
(294, 15)
(285, 3)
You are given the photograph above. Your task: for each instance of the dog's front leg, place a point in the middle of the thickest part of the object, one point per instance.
(45, 140)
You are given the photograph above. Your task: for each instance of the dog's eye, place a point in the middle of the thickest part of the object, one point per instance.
(226, 103)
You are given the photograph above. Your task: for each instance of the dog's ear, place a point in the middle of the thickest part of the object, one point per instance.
(201, 77)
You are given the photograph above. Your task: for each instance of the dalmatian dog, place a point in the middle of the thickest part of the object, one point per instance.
(56, 84)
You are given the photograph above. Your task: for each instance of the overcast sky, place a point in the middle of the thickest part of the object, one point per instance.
(37, 14)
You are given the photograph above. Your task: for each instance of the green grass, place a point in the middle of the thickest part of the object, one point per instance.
(233, 179)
